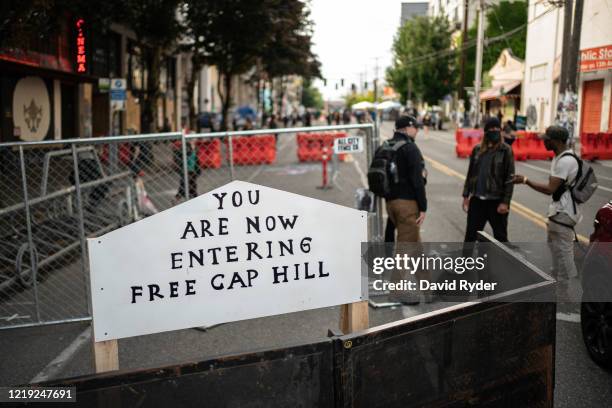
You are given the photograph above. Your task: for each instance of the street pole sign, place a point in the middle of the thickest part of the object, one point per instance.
(118, 94)
(238, 252)
(351, 144)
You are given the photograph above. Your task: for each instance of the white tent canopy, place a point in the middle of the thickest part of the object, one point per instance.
(388, 105)
(363, 105)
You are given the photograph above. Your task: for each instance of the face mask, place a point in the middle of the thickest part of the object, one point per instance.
(493, 136)
(548, 145)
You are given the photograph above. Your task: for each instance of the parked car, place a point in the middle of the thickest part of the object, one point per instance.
(595, 311)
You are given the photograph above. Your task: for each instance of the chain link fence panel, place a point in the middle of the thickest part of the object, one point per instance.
(55, 195)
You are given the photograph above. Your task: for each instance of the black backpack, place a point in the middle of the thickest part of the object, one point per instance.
(383, 172)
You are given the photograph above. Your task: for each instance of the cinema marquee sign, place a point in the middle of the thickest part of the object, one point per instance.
(238, 252)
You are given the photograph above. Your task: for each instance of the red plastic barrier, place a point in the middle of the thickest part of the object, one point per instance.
(466, 140)
(596, 146)
(536, 149)
(125, 153)
(520, 146)
(209, 153)
(249, 150)
(310, 145)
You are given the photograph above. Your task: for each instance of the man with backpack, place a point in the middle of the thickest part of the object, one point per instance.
(571, 183)
(397, 174)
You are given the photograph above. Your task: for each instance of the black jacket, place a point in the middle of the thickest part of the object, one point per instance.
(499, 174)
(411, 170)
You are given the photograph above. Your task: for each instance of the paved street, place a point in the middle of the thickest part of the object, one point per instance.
(68, 346)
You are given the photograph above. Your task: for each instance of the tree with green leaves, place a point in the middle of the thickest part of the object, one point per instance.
(230, 35)
(311, 96)
(501, 18)
(157, 29)
(421, 59)
(22, 21)
(289, 51)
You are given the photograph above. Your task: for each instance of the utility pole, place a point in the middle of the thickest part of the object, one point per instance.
(376, 79)
(479, 50)
(567, 36)
(461, 90)
(568, 82)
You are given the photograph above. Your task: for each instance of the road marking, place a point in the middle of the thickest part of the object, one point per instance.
(517, 207)
(438, 139)
(569, 317)
(57, 365)
(606, 164)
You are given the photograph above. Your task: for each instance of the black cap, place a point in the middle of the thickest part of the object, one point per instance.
(555, 133)
(492, 123)
(405, 121)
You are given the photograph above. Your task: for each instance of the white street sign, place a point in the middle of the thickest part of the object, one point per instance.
(351, 144)
(118, 94)
(238, 252)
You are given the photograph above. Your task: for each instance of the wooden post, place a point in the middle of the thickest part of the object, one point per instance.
(354, 317)
(106, 356)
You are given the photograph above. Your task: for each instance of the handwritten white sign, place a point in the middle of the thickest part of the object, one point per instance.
(238, 252)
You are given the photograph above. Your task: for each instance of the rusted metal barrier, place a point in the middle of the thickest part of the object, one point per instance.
(497, 351)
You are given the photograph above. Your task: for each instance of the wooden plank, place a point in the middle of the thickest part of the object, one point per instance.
(106, 356)
(354, 317)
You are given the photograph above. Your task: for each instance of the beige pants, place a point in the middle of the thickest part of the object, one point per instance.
(561, 243)
(403, 214)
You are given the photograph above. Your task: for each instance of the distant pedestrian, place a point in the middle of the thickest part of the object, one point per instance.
(248, 124)
(346, 117)
(193, 170)
(307, 118)
(330, 118)
(285, 121)
(426, 123)
(273, 125)
(488, 188)
(509, 132)
(337, 117)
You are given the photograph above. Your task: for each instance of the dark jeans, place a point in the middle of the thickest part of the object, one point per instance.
(192, 179)
(481, 211)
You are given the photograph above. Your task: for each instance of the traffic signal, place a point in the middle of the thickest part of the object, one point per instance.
(342, 82)
(336, 86)
(365, 85)
(353, 87)
(324, 82)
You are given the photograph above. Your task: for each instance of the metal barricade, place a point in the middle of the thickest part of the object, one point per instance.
(56, 193)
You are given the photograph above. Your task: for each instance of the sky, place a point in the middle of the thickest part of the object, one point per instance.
(349, 36)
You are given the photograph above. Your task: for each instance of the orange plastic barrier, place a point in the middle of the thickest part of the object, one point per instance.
(466, 139)
(209, 153)
(249, 150)
(520, 146)
(596, 146)
(310, 145)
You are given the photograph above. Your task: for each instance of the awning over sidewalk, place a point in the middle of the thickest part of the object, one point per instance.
(502, 90)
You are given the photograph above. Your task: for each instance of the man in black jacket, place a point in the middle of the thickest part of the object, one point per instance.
(407, 202)
(488, 187)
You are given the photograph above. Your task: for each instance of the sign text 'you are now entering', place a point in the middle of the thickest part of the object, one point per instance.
(238, 252)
